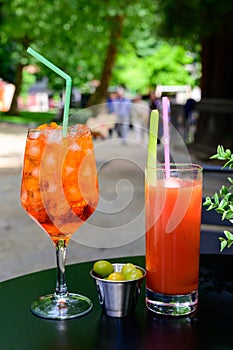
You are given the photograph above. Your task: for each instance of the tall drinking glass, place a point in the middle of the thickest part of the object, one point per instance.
(173, 219)
(60, 191)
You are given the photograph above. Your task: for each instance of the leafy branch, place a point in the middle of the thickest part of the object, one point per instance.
(222, 201)
(225, 155)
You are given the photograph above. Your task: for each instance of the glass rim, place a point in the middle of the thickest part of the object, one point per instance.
(70, 129)
(177, 166)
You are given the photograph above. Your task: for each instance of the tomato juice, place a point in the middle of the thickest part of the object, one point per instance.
(173, 217)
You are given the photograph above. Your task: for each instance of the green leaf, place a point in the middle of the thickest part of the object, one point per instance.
(230, 180)
(229, 215)
(228, 152)
(207, 201)
(211, 207)
(228, 164)
(226, 242)
(229, 244)
(222, 203)
(220, 211)
(228, 235)
(224, 190)
(216, 199)
(223, 245)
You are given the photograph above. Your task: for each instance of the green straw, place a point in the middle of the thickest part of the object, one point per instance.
(152, 147)
(68, 85)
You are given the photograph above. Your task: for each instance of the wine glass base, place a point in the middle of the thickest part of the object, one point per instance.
(70, 306)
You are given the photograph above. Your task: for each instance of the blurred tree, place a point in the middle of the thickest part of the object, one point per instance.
(85, 39)
(51, 28)
(80, 37)
(20, 25)
(129, 22)
(100, 94)
(7, 63)
(209, 24)
(142, 70)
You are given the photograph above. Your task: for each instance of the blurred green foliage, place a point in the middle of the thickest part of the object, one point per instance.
(74, 35)
(27, 118)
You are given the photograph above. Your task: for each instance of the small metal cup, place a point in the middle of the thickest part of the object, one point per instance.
(118, 298)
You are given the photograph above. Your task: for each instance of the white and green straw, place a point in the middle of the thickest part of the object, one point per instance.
(68, 85)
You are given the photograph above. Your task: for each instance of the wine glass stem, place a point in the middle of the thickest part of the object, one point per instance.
(61, 288)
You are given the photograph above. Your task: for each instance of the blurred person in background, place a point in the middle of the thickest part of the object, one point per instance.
(122, 109)
(189, 119)
(156, 103)
(110, 108)
(140, 119)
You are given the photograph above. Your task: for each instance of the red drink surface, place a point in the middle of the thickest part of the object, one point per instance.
(173, 218)
(59, 183)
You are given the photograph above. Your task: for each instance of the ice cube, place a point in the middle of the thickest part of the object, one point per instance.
(36, 172)
(75, 147)
(52, 187)
(55, 137)
(69, 170)
(34, 151)
(86, 171)
(172, 182)
(50, 160)
(33, 135)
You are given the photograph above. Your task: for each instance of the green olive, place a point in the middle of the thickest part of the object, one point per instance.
(116, 276)
(127, 268)
(103, 268)
(134, 274)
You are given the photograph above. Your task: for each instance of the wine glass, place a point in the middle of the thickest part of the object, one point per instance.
(60, 191)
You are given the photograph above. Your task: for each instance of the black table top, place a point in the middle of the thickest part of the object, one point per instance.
(210, 328)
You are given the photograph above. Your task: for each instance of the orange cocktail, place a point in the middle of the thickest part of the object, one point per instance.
(59, 182)
(60, 191)
(173, 217)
